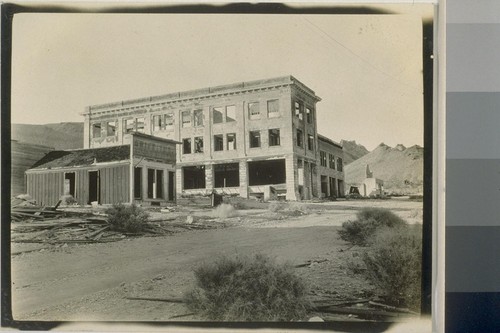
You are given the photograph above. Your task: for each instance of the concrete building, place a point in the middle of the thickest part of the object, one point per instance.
(255, 138)
(331, 168)
(370, 186)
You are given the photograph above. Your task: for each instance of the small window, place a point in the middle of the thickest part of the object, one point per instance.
(231, 141)
(186, 118)
(254, 139)
(310, 142)
(254, 110)
(300, 164)
(198, 144)
(274, 137)
(96, 130)
(273, 108)
(309, 115)
(299, 110)
(331, 161)
(186, 146)
(128, 125)
(300, 138)
(322, 158)
(198, 118)
(218, 142)
(339, 164)
(169, 121)
(217, 115)
(111, 128)
(140, 125)
(230, 113)
(157, 123)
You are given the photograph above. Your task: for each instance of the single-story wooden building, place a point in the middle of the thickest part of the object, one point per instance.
(141, 172)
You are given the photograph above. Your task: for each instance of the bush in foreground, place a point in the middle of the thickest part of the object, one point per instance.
(247, 289)
(367, 222)
(224, 211)
(393, 261)
(130, 218)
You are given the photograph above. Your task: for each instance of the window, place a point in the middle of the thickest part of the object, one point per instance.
(186, 118)
(273, 108)
(186, 146)
(198, 118)
(198, 144)
(322, 158)
(331, 161)
(230, 113)
(300, 164)
(111, 128)
(231, 141)
(274, 137)
(253, 110)
(218, 142)
(96, 130)
(339, 164)
(254, 139)
(157, 123)
(155, 184)
(299, 110)
(217, 115)
(140, 125)
(309, 115)
(128, 125)
(169, 121)
(226, 175)
(310, 142)
(300, 138)
(193, 177)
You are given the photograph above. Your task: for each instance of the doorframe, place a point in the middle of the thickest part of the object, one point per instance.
(98, 187)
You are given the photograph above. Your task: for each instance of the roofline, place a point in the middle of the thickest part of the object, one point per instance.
(206, 92)
(155, 138)
(330, 141)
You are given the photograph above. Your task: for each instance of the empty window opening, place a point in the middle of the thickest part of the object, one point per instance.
(218, 142)
(274, 137)
(273, 108)
(198, 144)
(299, 110)
(217, 115)
(193, 177)
(300, 138)
(157, 123)
(266, 172)
(137, 183)
(155, 184)
(309, 115)
(198, 118)
(310, 142)
(169, 121)
(96, 130)
(254, 110)
(140, 125)
(69, 183)
(230, 113)
(186, 146)
(322, 158)
(111, 128)
(128, 125)
(331, 161)
(324, 186)
(227, 175)
(186, 118)
(254, 139)
(231, 141)
(339, 164)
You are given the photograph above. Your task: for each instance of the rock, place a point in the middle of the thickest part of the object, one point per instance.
(316, 319)
(189, 219)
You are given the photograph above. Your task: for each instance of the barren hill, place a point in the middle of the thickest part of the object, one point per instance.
(58, 136)
(352, 151)
(400, 168)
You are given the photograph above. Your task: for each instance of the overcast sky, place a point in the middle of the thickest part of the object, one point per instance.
(367, 69)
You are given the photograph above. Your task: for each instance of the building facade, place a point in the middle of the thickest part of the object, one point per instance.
(255, 138)
(331, 168)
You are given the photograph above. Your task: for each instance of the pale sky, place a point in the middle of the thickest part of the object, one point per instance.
(366, 68)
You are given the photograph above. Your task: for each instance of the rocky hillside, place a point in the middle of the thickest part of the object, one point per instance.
(352, 151)
(58, 136)
(400, 168)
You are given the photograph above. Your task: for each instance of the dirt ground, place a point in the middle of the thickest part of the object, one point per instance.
(75, 282)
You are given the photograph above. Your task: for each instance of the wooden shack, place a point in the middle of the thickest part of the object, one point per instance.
(141, 172)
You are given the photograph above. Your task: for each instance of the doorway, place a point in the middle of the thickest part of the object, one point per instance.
(171, 180)
(69, 183)
(94, 187)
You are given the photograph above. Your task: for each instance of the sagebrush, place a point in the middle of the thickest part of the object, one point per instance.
(224, 211)
(127, 218)
(368, 221)
(247, 289)
(393, 264)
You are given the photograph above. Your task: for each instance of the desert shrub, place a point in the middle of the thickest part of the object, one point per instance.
(67, 199)
(368, 220)
(224, 211)
(288, 208)
(393, 264)
(276, 206)
(130, 218)
(247, 289)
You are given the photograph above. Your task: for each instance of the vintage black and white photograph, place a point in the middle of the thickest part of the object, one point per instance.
(219, 167)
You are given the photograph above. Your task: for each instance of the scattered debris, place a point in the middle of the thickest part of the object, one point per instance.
(155, 299)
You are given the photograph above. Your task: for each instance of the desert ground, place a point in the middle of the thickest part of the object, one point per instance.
(94, 282)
